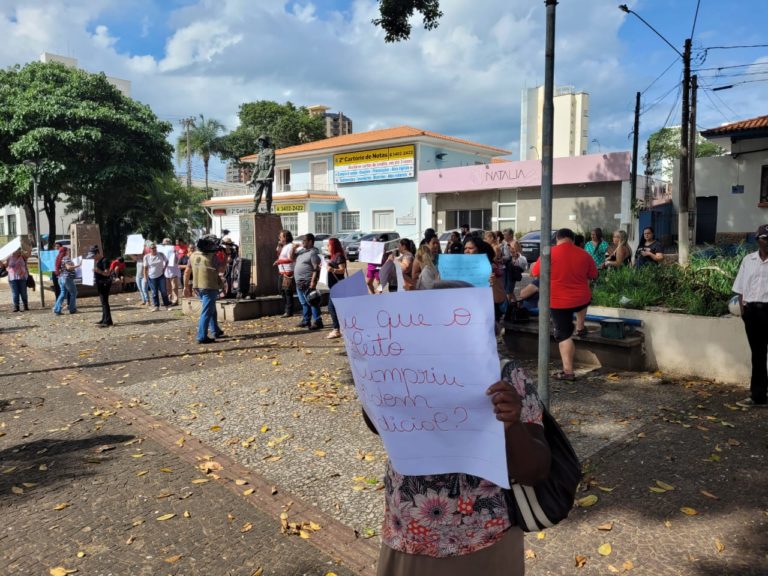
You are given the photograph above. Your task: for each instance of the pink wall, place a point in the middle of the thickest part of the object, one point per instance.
(610, 167)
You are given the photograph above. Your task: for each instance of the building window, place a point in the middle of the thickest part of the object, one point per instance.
(290, 223)
(383, 219)
(475, 219)
(12, 225)
(507, 216)
(763, 186)
(323, 222)
(283, 179)
(2, 226)
(318, 176)
(350, 220)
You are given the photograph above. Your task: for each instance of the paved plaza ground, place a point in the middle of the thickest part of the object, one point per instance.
(133, 450)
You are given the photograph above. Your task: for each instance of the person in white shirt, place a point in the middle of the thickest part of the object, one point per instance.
(751, 285)
(172, 274)
(155, 264)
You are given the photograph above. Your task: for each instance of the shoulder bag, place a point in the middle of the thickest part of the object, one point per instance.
(535, 508)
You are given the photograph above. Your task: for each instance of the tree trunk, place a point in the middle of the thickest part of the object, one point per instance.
(205, 166)
(29, 215)
(49, 206)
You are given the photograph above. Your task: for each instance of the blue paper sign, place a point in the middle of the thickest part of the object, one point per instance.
(472, 268)
(48, 260)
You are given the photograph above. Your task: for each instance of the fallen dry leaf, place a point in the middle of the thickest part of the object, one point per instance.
(530, 554)
(62, 506)
(580, 561)
(81, 554)
(627, 566)
(541, 535)
(606, 527)
(241, 482)
(258, 572)
(710, 495)
(165, 517)
(17, 490)
(604, 549)
(247, 527)
(142, 472)
(664, 485)
(320, 453)
(719, 546)
(688, 511)
(587, 501)
(61, 571)
(248, 492)
(200, 480)
(173, 559)
(187, 514)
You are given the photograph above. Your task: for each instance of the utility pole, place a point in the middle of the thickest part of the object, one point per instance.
(648, 175)
(692, 135)
(35, 182)
(187, 123)
(683, 224)
(546, 203)
(635, 138)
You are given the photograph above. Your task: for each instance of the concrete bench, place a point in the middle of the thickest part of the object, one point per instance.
(628, 353)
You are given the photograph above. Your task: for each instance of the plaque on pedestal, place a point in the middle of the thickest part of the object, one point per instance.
(258, 239)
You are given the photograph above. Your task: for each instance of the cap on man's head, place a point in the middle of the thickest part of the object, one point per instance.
(762, 231)
(464, 226)
(166, 241)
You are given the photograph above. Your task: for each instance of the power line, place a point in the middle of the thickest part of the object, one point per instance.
(734, 47)
(736, 75)
(714, 89)
(715, 106)
(731, 66)
(661, 98)
(659, 76)
(695, 17)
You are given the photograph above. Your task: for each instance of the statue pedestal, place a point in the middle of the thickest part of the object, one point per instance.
(258, 238)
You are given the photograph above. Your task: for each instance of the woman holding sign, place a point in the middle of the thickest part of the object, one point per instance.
(337, 269)
(456, 523)
(496, 281)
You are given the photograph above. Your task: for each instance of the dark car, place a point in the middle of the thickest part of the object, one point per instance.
(352, 249)
(531, 245)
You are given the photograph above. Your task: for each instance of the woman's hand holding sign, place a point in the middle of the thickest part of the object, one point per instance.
(507, 403)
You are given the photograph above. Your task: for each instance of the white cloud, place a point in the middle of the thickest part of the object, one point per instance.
(464, 78)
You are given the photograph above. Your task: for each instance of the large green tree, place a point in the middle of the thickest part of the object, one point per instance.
(396, 15)
(664, 147)
(204, 141)
(285, 124)
(95, 147)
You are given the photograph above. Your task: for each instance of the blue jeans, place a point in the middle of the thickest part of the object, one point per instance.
(208, 315)
(307, 309)
(18, 291)
(141, 285)
(334, 316)
(69, 293)
(157, 285)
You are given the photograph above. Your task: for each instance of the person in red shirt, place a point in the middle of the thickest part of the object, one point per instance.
(572, 269)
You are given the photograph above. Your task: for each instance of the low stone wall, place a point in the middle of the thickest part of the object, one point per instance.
(700, 346)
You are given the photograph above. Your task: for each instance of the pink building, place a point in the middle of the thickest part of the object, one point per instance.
(589, 191)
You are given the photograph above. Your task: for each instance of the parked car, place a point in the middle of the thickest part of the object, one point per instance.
(353, 248)
(445, 236)
(320, 240)
(531, 245)
(344, 239)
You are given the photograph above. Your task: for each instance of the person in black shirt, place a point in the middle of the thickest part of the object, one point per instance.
(454, 245)
(649, 250)
(103, 277)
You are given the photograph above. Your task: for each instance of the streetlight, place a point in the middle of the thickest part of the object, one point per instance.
(535, 150)
(596, 141)
(35, 182)
(685, 228)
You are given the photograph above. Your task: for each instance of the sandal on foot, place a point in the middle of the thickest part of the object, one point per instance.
(565, 376)
(581, 333)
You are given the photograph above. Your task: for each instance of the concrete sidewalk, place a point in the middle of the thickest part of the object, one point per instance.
(275, 406)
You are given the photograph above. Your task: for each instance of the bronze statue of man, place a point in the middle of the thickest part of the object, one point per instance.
(263, 173)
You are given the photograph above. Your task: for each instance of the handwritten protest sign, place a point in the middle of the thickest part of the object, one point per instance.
(134, 244)
(10, 248)
(87, 271)
(372, 252)
(472, 268)
(422, 361)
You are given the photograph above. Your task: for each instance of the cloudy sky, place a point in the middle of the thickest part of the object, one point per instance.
(187, 57)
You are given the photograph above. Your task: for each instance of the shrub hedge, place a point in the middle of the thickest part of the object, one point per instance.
(702, 288)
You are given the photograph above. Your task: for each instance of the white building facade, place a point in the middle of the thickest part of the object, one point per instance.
(571, 123)
(358, 182)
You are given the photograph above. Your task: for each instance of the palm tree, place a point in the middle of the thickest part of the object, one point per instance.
(204, 140)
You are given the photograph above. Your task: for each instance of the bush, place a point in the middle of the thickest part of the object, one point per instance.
(702, 288)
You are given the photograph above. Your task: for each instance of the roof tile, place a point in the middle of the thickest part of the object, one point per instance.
(761, 122)
(398, 132)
